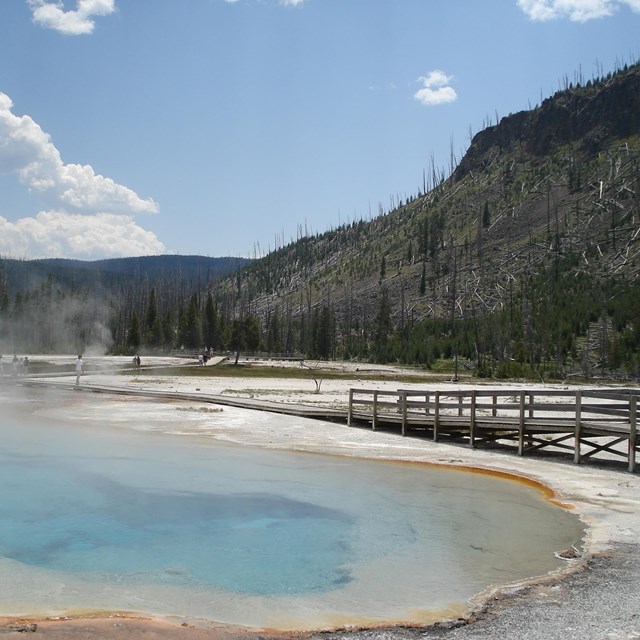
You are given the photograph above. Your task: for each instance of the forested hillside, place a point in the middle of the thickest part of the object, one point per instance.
(522, 261)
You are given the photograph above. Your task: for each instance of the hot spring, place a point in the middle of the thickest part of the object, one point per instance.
(115, 505)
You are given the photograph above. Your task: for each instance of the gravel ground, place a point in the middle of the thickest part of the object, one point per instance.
(600, 601)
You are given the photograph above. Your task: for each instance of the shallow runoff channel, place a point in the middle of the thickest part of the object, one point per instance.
(153, 507)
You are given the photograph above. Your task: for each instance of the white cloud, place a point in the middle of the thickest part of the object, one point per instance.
(60, 234)
(575, 10)
(435, 89)
(90, 216)
(25, 149)
(52, 15)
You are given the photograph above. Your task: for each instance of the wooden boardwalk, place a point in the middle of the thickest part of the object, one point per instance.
(583, 422)
(292, 409)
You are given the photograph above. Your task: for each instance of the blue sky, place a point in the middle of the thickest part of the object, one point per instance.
(212, 127)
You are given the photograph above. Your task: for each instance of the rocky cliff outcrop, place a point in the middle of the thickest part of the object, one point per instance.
(588, 116)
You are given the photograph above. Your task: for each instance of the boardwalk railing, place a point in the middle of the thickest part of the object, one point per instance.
(583, 422)
(244, 355)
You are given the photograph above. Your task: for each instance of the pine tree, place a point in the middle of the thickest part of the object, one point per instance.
(190, 329)
(486, 215)
(274, 344)
(134, 335)
(383, 268)
(252, 333)
(153, 328)
(245, 335)
(323, 333)
(236, 338)
(382, 328)
(212, 327)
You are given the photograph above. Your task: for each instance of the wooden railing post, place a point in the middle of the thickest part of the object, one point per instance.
(350, 411)
(426, 403)
(633, 419)
(460, 405)
(578, 429)
(403, 397)
(436, 418)
(374, 421)
(494, 411)
(531, 398)
(521, 424)
(472, 420)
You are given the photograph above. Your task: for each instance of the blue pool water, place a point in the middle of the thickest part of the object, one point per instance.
(94, 516)
(245, 542)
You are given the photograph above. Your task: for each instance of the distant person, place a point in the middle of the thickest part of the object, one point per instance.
(25, 366)
(79, 368)
(15, 365)
(200, 360)
(137, 362)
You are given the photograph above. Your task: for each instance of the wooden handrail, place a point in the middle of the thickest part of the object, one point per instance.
(582, 414)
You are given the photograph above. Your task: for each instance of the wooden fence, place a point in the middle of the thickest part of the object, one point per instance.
(583, 422)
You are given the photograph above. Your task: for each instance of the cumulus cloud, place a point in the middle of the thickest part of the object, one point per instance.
(575, 10)
(26, 150)
(52, 15)
(60, 234)
(90, 215)
(435, 89)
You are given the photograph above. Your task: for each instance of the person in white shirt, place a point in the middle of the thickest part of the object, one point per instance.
(79, 371)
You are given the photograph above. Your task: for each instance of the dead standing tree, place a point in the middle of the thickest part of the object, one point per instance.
(315, 373)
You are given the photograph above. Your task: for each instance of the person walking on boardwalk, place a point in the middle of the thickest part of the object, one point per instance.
(78, 366)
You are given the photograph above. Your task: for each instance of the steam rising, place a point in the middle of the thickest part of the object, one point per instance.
(52, 323)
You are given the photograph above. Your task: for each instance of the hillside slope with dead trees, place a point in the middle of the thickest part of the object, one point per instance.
(525, 251)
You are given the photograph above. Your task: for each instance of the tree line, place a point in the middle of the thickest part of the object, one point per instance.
(553, 324)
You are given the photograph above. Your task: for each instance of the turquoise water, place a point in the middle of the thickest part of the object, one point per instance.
(256, 543)
(94, 515)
